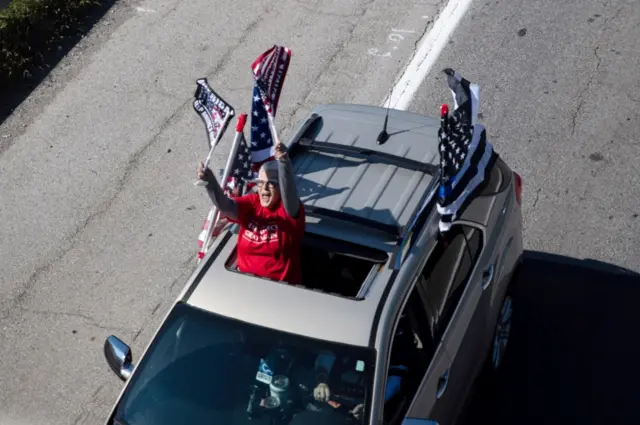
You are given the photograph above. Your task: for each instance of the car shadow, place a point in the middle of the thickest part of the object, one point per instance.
(14, 92)
(573, 354)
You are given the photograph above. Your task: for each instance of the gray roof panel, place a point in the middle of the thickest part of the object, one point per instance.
(356, 184)
(285, 307)
(370, 188)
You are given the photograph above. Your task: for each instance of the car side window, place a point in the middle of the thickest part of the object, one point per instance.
(411, 352)
(446, 274)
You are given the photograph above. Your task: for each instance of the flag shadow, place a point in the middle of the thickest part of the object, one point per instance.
(310, 191)
(572, 357)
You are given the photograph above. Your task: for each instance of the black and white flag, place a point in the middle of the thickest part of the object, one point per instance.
(214, 111)
(466, 157)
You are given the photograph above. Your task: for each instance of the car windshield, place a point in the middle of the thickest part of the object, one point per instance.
(206, 369)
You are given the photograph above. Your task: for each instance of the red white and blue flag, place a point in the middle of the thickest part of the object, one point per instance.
(269, 72)
(239, 182)
(262, 145)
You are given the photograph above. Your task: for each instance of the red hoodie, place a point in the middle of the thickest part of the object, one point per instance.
(269, 240)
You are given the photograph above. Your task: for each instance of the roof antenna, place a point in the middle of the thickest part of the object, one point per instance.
(384, 136)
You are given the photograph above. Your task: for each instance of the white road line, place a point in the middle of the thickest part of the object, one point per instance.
(145, 10)
(426, 55)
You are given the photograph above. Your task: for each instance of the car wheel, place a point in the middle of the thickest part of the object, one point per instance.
(502, 332)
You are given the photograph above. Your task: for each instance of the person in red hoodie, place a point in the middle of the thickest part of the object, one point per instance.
(272, 220)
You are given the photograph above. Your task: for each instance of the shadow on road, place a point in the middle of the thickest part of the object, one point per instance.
(14, 93)
(574, 353)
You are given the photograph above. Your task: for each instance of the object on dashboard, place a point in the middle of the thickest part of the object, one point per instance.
(271, 402)
(253, 397)
(279, 388)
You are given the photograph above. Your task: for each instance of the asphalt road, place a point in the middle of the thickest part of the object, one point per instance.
(99, 217)
(559, 99)
(98, 214)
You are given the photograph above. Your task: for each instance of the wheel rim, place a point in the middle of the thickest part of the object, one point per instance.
(503, 331)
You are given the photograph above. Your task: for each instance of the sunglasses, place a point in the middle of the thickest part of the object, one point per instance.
(270, 183)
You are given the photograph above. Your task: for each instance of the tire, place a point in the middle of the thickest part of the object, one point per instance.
(501, 333)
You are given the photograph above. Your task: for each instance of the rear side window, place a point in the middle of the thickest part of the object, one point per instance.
(446, 274)
(498, 179)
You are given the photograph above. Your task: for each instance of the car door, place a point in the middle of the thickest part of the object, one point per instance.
(455, 308)
(495, 209)
(430, 398)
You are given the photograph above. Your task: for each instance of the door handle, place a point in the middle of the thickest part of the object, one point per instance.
(487, 277)
(442, 384)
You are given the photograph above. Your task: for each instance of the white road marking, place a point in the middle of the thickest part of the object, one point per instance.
(426, 55)
(144, 10)
(393, 37)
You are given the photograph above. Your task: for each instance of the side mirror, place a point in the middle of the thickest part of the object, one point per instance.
(118, 355)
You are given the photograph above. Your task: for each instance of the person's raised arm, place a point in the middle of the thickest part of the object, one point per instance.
(224, 204)
(288, 189)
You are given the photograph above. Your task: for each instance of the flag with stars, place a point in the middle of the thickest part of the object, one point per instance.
(269, 72)
(241, 175)
(466, 157)
(239, 182)
(262, 145)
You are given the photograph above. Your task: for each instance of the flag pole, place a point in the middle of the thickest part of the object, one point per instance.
(215, 143)
(272, 127)
(242, 119)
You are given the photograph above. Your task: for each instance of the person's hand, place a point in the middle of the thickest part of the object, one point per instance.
(322, 392)
(281, 150)
(357, 411)
(204, 174)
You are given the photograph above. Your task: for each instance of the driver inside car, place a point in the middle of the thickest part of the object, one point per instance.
(338, 381)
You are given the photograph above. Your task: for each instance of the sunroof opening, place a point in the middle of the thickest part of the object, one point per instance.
(333, 266)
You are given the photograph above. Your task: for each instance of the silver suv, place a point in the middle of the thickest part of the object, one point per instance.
(382, 288)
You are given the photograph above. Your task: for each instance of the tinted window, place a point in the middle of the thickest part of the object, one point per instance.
(498, 179)
(204, 369)
(412, 348)
(446, 274)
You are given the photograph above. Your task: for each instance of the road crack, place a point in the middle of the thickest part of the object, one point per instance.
(535, 201)
(331, 60)
(320, 12)
(130, 168)
(87, 318)
(587, 87)
(581, 96)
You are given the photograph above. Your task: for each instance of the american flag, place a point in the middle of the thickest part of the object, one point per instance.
(465, 155)
(262, 146)
(242, 174)
(239, 182)
(269, 72)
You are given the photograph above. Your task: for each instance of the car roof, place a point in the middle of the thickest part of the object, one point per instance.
(336, 173)
(380, 195)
